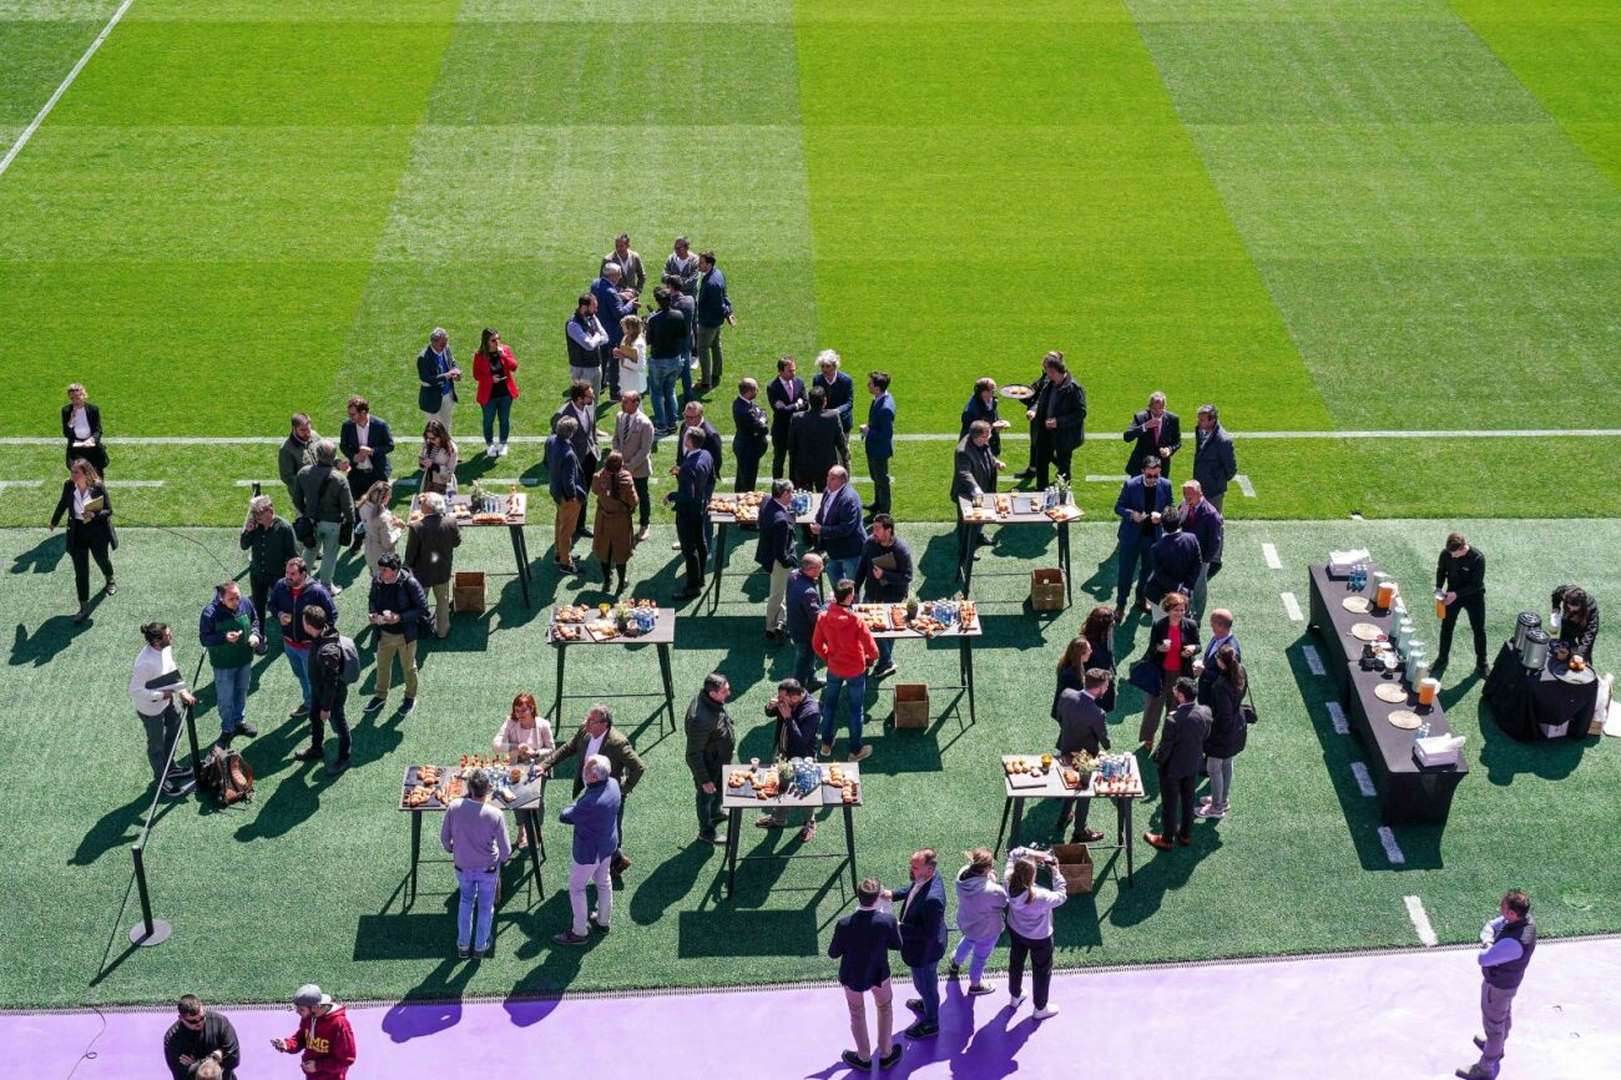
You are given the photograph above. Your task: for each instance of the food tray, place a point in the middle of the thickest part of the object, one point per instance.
(1391, 693)
(1405, 719)
(1018, 392)
(1358, 605)
(1366, 631)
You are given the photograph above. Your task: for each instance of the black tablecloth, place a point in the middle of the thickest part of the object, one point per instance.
(1523, 702)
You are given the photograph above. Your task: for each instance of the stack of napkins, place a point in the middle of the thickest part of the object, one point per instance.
(1437, 749)
(1340, 562)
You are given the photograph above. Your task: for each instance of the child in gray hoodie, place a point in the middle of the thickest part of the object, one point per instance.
(980, 904)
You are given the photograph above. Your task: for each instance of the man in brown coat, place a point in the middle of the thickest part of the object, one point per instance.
(430, 549)
(598, 736)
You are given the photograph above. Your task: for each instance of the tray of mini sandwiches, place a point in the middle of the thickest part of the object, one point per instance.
(1006, 506)
(435, 787)
(744, 506)
(892, 618)
(765, 783)
(581, 622)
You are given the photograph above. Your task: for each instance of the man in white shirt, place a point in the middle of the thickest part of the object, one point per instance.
(156, 708)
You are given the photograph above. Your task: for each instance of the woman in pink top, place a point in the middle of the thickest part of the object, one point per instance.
(1172, 645)
(524, 736)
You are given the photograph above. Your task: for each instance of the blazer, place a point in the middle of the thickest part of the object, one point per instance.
(796, 735)
(1181, 749)
(1214, 465)
(611, 307)
(714, 307)
(861, 943)
(432, 388)
(880, 437)
(785, 402)
(1082, 723)
(973, 470)
(923, 921)
(896, 583)
(840, 517)
(776, 543)
(1205, 523)
(841, 394)
(694, 483)
(1066, 404)
(633, 438)
(816, 443)
(1134, 495)
(1176, 560)
(100, 523)
(563, 468)
(1143, 443)
(585, 436)
(711, 443)
(976, 409)
(1160, 631)
(96, 454)
(430, 549)
(378, 437)
(751, 427)
(485, 377)
(595, 817)
(626, 766)
(804, 607)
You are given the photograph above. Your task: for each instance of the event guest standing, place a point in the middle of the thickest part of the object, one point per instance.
(474, 834)
(1072, 667)
(816, 443)
(1155, 432)
(692, 418)
(1460, 573)
(1204, 666)
(493, 368)
(923, 939)
(786, 396)
(568, 490)
(430, 554)
(586, 338)
(1506, 945)
(322, 496)
(861, 943)
(611, 309)
(595, 817)
(438, 459)
(714, 312)
(90, 531)
(1173, 642)
(711, 742)
(1175, 560)
(1179, 759)
(1058, 419)
(1098, 630)
(599, 736)
(839, 387)
(1030, 926)
(615, 535)
(1578, 622)
(1214, 465)
(200, 1035)
(973, 473)
(682, 264)
(630, 357)
(695, 483)
(297, 451)
(837, 525)
(878, 434)
(290, 597)
(1228, 732)
(324, 1036)
(884, 576)
(268, 539)
(845, 644)
(1083, 726)
(81, 430)
(633, 439)
(398, 604)
(802, 597)
(1201, 518)
(329, 691)
(750, 439)
(629, 262)
(1143, 499)
(524, 734)
(156, 708)
(981, 914)
(437, 376)
(366, 443)
(382, 528)
(581, 408)
(775, 553)
(229, 629)
(682, 301)
(983, 406)
(798, 718)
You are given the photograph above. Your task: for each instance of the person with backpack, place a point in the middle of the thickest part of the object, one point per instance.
(334, 664)
(981, 904)
(1030, 925)
(398, 605)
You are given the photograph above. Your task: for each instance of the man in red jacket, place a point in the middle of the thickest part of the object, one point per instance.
(845, 644)
(324, 1035)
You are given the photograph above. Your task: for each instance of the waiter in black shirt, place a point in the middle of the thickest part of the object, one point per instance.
(1461, 575)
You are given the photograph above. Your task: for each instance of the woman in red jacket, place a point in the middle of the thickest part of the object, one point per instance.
(497, 389)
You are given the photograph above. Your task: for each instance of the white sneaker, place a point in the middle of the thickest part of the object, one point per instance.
(1042, 1014)
(503, 451)
(490, 451)
(1015, 1000)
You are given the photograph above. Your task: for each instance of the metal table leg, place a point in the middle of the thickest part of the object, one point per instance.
(557, 694)
(416, 853)
(720, 565)
(967, 652)
(1063, 561)
(733, 827)
(1130, 832)
(531, 828)
(850, 845)
(1018, 822)
(1007, 808)
(518, 555)
(669, 684)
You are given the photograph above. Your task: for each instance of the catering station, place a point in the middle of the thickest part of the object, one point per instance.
(924, 621)
(517, 789)
(628, 623)
(1054, 508)
(1381, 669)
(743, 509)
(800, 783)
(1537, 690)
(481, 508)
(1068, 777)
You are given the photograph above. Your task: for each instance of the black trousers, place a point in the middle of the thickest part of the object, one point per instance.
(588, 465)
(1040, 952)
(259, 591)
(689, 530)
(340, 723)
(93, 543)
(748, 469)
(1476, 607)
(878, 469)
(1047, 454)
(1176, 805)
(1080, 808)
(644, 505)
(779, 454)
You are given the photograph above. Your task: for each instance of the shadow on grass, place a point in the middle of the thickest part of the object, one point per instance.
(43, 558)
(47, 641)
(118, 827)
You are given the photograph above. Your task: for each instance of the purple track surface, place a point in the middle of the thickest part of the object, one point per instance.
(1367, 1017)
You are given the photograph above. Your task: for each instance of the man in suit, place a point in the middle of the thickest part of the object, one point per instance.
(1143, 500)
(714, 312)
(1155, 432)
(923, 939)
(695, 482)
(437, 375)
(568, 486)
(803, 600)
(582, 406)
(598, 737)
(974, 472)
(837, 528)
(775, 553)
(366, 443)
(749, 441)
(786, 396)
(1180, 759)
(839, 387)
(692, 419)
(1201, 518)
(81, 427)
(1214, 465)
(983, 406)
(430, 553)
(711, 742)
(611, 308)
(595, 817)
(1175, 560)
(633, 438)
(1082, 726)
(816, 443)
(878, 433)
(1221, 633)
(884, 576)
(1058, 419)
(862, 942)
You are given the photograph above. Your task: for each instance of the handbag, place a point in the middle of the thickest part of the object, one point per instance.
(1147, 676)
(304, 524)
(1247, 708)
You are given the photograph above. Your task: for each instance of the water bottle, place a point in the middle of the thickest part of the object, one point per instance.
(1423, 731)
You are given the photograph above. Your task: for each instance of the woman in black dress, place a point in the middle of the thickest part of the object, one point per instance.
(1099, 632)
(90, 530)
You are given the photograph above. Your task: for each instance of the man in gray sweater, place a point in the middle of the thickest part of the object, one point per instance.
(475, 834)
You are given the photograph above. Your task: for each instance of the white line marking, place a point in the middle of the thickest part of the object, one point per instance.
(1364, 781)
(1270, 552)
(1392, 849)
(1244, 485)
(21, 483)
(1314, 660)
(135, 483)
(1337, 715)
(1096, 478)
(1421, 921)
(1291, 607)
(28, 132)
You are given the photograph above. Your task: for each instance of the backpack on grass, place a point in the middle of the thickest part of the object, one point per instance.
(227, 775)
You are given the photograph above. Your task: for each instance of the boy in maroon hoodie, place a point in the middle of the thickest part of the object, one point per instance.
(324, 1035)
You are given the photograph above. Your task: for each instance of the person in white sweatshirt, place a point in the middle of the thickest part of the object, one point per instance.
(157, 709)
(980, 904)
(1030, 925)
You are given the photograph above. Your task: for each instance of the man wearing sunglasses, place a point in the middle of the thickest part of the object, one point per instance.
(200, 1036)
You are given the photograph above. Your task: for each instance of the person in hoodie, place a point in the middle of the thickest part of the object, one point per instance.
(1030, 925)
(980, 904)
(798, 717)
(845, 644)
(324, 1036)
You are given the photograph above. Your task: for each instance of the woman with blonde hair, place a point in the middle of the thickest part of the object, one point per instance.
(90, 530)
(980, 906)
(631, 354)
(383, 529)
(438, 459)
(1030, 925)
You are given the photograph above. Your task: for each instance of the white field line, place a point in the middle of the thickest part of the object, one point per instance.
(1270, 553)
(1105, 478)
(135, 483)
(21, 483)
(1244, 485)
(1336, 715)
(1314, 660)
(1364, 780)
(1393, 850)
(1421, 921)
(39, 118)
(1291, 606)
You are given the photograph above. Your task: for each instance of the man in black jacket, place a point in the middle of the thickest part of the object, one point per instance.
(1214, 465)
(749, 442)
(1175, 558)
(1461, 575)
(973, 473)
(1057, 418)
(711, 742)
(328, 691)
(695, 483)
(798, 718)
(398, 604)
(861, 943)
(884, 576)
(1154, 432)
(1180, 757)
(775, 553)
(200, 1035)
(816, 444)
(786, 396)
(1082, 726)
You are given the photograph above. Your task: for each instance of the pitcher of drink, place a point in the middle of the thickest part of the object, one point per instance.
(1440, 605)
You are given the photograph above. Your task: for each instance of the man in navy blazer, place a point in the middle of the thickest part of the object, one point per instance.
(786, 396)
(695, 483)
(1082, 725)
(862, 942)
(922, 920)
(878, 433)
(611, 308)
(803, 600)
(775, 553)
(366, 442)
(1180, 759)
(595, 817)
(1155, 432)
(1143, 499)
(750, 427)
(437, 375)
(1214, 464)
(840, 390)
(837, 528)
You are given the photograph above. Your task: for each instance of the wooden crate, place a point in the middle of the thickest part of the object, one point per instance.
(1075, 863)
(467, 591)
(1047, 589)
(912, 706)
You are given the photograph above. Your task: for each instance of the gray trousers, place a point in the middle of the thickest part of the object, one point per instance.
(1496, 1017)
(1201, 590)
(161, 731)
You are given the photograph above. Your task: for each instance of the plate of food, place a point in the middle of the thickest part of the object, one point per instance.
(571, 613)
(1358, 605)
(568, 632)
(1366, 631)
(1064, 513)
(1405, 719)
(1018, 391)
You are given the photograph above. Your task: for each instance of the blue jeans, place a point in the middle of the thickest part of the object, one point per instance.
(661, 378)
(886, 652)
(299, 661)
(477, 887)
(982, 954)
(926, 977)
(231, 689)
(1134, 555)
(804, 663)
(497, 407)
(854, 690)
(839, 569)
(686, 375)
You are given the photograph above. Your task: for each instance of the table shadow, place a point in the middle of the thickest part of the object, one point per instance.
(1506, 757)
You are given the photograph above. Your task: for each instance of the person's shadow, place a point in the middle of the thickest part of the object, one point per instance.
(113, 829)
(46, 642)
(43, 558)
(433, 1005)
